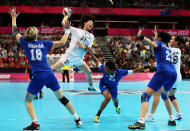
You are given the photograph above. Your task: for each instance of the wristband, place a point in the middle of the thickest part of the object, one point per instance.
(14, 30)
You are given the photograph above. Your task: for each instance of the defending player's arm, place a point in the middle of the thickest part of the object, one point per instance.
(144, 39)
(14, 15)
(93, 57)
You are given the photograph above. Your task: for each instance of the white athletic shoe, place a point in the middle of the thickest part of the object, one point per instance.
(92, 88)
(150, 117)
(178, 116)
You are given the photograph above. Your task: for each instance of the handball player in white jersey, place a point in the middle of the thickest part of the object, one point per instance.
(176, 54)
(74, 54)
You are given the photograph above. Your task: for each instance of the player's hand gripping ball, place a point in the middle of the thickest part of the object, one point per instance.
(67, 11)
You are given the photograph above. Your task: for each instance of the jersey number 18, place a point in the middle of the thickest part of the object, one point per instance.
(36, 54)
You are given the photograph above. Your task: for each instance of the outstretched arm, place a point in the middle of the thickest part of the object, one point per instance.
(155, 33)
(65, 36)
(90, 52)
(138, 69)
(14, 15)
(94, 58)
(146, 39)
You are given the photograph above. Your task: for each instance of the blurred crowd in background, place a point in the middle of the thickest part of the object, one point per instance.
(103, 3)
(127, 51)
(130, 53)
(12, 55)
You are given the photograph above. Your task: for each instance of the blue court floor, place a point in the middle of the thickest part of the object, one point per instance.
(52, 116)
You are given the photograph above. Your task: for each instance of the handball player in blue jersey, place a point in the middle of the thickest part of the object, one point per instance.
(164, 77)
(109, 82)
(43, 75)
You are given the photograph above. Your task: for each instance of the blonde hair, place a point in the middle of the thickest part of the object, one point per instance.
(31, 34)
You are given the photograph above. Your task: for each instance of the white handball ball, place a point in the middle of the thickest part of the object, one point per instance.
(67, 11)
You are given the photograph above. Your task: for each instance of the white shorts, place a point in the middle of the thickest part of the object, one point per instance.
(178, 81)
(71, 60)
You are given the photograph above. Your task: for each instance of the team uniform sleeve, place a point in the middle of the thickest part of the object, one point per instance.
(102, 67)
(91, 42)
(73, 30)
(22, 41)
(123, 72)
(158, 43)
(48, 44)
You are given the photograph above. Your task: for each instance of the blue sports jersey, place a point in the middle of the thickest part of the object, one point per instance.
(163, 55)
(112, 81)
(36, 52)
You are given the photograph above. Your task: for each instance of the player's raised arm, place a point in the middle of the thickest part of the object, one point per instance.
(67, 13)
(155, 33)
(14, 15)
(64, 38)
(143, 38)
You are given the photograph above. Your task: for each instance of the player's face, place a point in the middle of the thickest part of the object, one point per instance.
(172, 41)
(88, 25)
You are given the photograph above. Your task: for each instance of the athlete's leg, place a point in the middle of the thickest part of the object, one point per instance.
(84, 68)
(156, 100)
(64, 100)
(167, 101)
(55, 87)
(145, 101)
(113, 93)
(59, 94)
(175, 103)
(56, 65)
(107, 98)
(31, 111)
(173, 99)
(116, 104)
(29, 106)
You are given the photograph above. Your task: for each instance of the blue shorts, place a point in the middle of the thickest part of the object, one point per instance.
(163, 78)
(112, 90)
(41, 79)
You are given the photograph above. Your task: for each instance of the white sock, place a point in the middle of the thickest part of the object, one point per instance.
(179, 113)
(151, 114)
(35, 120)
(141, 120)
(75, 115)
(171, 118)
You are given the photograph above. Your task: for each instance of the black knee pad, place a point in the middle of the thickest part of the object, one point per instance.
(64, 100)
(172, 98)
(164, 96)
(145, 97)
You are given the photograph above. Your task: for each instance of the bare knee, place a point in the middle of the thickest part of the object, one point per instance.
(107, 98)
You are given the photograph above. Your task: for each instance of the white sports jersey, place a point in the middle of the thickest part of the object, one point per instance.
(83, 37)
(176, 53)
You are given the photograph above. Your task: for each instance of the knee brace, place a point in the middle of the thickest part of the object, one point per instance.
(64, 100)
(164, 96)
(172, 98)
(145, 97)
